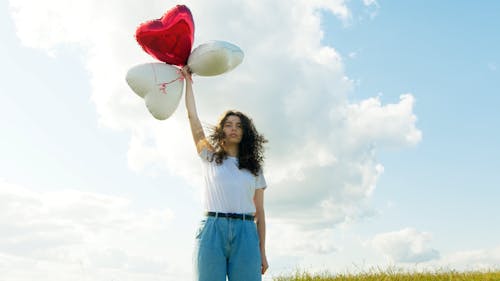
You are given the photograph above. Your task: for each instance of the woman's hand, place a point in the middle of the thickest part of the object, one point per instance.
(186, 73)
(265, 265)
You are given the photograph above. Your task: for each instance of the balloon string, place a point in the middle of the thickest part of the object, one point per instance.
(163, 86)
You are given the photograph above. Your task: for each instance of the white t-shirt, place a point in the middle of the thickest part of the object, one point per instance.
(227, 188)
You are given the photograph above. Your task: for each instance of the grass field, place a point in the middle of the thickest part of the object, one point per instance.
(396, 276)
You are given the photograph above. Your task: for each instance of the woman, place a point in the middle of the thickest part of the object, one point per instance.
(231, 238)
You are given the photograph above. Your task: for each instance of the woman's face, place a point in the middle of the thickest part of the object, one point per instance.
(232, 128)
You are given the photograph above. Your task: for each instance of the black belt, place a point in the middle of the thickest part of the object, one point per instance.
(230, 216)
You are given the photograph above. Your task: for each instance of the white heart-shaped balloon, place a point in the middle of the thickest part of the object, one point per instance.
(214, 58)
(159, 84)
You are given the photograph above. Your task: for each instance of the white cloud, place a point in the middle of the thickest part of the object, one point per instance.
(406, 246)
(290, 241)
(370, 2)
(68, 233)
(390, 125)
(481, 259)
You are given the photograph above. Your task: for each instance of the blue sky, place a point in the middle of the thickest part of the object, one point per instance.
(73, 132)
(447, 55)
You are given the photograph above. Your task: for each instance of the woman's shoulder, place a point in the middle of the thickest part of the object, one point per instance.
(204, 144)
(205, 150)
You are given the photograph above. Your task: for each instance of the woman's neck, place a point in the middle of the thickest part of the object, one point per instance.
(231, 150)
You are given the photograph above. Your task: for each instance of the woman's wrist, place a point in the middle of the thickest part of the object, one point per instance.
(263, 250)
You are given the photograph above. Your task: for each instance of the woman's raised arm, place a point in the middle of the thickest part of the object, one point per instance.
(196, 128)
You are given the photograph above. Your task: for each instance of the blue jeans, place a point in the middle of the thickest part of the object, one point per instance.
(227, 247)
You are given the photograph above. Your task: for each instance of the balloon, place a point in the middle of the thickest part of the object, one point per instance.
(170, 38)
(159, 84)
(214, 58)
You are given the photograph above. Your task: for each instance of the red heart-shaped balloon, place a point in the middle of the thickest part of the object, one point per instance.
(170, 38)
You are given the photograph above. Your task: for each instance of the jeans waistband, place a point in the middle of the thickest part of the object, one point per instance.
(247, 217)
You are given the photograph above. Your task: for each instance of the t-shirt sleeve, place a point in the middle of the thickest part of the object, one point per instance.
(260, 181)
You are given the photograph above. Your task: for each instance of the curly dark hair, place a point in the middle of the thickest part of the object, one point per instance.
(250, 149)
